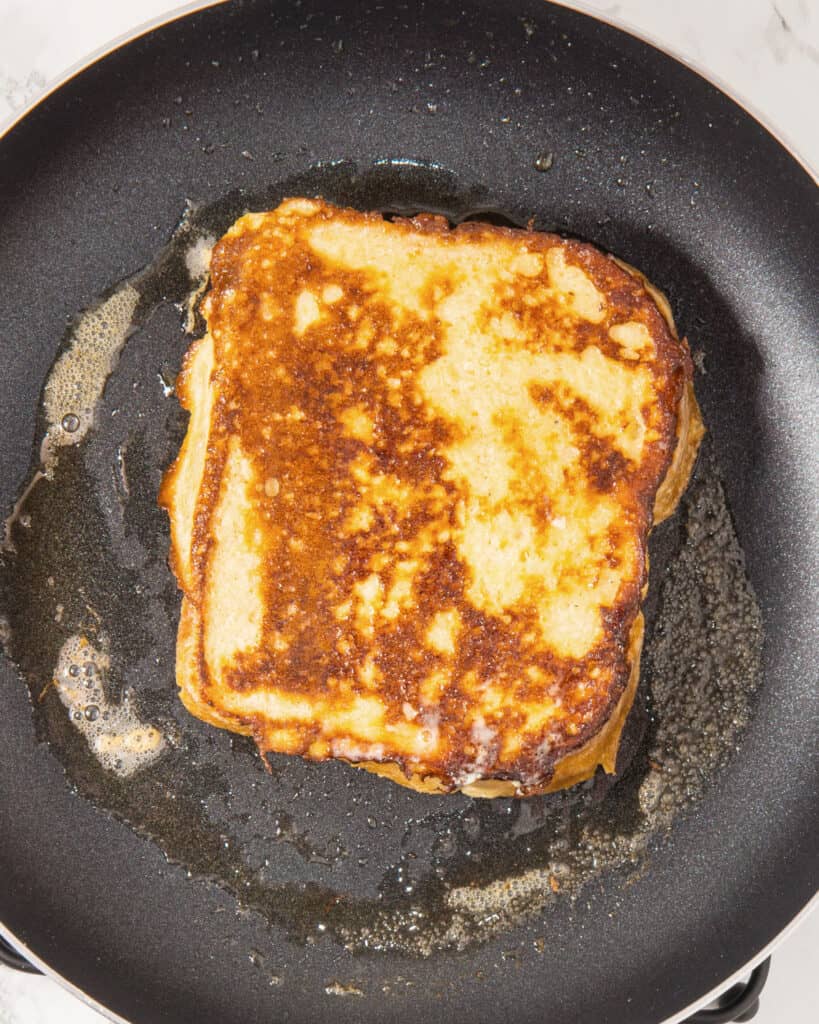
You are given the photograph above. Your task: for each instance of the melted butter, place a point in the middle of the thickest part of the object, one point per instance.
(197, 262)
(431, 875)
(337, 988)
(78, 377)
(116, 736)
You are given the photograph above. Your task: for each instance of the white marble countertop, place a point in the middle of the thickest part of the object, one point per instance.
(766, 52)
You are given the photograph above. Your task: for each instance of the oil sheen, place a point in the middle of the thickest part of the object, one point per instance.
(89, 614)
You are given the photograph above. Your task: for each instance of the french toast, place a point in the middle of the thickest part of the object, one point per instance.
(410, 515)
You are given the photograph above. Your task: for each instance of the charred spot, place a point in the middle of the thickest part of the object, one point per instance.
(487, 645)
(585, 334)
(574, 409)
(606, 467)
(308, 660)
(541, 394)
(242, 675)
(625, 297)
(617, 622)
(444, 581)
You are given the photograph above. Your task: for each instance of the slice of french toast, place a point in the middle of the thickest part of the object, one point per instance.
(411, 512)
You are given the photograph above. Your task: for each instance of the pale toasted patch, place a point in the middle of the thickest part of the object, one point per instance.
(234, 598)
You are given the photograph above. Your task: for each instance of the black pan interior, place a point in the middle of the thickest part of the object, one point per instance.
(450, 106)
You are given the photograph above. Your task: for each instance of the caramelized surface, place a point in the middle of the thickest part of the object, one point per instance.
(411, 511)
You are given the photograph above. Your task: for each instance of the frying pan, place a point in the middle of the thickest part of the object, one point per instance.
(526, 110)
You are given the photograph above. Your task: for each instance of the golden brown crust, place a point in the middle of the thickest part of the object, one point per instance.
(318, 449)
(690, 427)
(576, 767)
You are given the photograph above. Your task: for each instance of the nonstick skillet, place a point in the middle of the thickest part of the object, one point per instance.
(512, 111)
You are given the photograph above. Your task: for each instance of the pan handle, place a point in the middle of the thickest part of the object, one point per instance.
(739, 1003)
(9, 957)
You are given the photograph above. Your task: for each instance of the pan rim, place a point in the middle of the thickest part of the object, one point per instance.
(59, 979)
(580, 6)
(692, 64)
(623, 25)
(679, 1018)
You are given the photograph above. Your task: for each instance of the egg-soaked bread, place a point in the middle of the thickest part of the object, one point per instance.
(410, 515)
